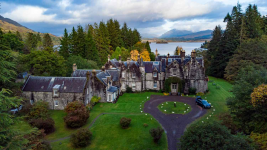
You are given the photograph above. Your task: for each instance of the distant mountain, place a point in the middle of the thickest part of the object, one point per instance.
(7, 24)
(184, 34)
(148, 35)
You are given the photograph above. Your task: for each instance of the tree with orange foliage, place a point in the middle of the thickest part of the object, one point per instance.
(134, 55)
(145, 55)
(259, 95)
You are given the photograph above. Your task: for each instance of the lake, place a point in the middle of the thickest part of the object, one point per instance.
(164, 49)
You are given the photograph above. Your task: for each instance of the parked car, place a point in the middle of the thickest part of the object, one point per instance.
(16, 110)
(203, 103)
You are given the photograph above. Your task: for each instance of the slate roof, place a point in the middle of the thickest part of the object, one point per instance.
(112, 89)
(46, 84)
(82, 72)
(102, 76)
(149, 66)
(115, 74)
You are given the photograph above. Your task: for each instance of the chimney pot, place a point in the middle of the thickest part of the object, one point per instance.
(74, 67)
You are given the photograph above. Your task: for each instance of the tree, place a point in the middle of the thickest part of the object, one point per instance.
(178, 50)
(7, 66)
(44, 63)
(145, 55)
(116, 54)
(125, 54)
(19, 35)
(80, 62)
(247, 117)
(81, 138)
(211, 135)
(10, 138)
(124, 34)
(134, 55)
(91, 51)
(259, 95)
(65, 45)
(81, 42)
(118, 31)
(14, 42)
(125, 122)
(47, 41)
(73, 42)
(30, 43)
(114, 34)
(250, 51)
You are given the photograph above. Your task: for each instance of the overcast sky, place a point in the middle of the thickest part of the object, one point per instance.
(150, 17)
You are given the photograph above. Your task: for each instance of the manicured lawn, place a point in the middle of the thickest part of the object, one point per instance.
(168, 108)
(107, 133)
(217, 98)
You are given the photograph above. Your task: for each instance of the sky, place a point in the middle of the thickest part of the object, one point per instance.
(149, 17)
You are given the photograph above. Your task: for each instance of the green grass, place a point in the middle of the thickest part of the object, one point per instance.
(181, 108)
(107, 133)
(217, 98)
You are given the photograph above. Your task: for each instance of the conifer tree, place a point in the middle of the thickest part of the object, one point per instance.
(64, 42)
(73, 42)
(80, 42)
(19, 35)
(118, 31)
(91, 51)
(124, 34)
(38, 37)
(47, 41)
(113, 35)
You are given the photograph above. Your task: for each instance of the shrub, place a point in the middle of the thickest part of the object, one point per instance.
(192, 91)
(77, 118)
(260, 140)
(227, 120)
(39, 110)
(26, 109)
(35, 141)
(213, 135)
(214, 84)
(125, 122)
(218, 87)
(145, 125)
(129, 89)
(95, 100)
(72, 106)
(81, 138)
(207, 91)
(89, 106)
(156, 133)
(160, 91)
(46, 124)
(200, 94)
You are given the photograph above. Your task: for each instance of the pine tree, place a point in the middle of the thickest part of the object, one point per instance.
(124, 34)
(118, 31)
(130, 38)
(113, 35)
(19, 35)
(136, 36)
(64, 42)
(91, 51)
(38, 37)
(81, 42)
(73, 42)
(47, 41)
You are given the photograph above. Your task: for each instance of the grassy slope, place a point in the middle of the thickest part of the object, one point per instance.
(217, 98)
(107, 133)
(169, 107)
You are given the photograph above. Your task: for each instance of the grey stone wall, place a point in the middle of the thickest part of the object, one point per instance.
(128, 80)
(63, 98)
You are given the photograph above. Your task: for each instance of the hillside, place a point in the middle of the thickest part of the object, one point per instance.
(7, 24)
(175, 33)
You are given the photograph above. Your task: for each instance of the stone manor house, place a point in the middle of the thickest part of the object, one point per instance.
(115, 76)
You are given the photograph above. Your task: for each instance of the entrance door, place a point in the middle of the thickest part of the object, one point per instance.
(174, 88)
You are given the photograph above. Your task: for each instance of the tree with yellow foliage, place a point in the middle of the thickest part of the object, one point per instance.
(145, 55)
(259, 95)
(134, 55)
(178, 50)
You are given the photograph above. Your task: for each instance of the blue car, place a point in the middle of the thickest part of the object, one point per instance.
(201, 102)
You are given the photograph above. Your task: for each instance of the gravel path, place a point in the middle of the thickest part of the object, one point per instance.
(173, 124)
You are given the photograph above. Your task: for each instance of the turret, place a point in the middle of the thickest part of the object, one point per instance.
(156, 53)
(167, 59)
(182, 55)
(193, 54)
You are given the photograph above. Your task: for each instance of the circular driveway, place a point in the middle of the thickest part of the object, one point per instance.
(173, 124)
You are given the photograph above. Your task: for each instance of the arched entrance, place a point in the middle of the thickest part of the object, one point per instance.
(174, 85)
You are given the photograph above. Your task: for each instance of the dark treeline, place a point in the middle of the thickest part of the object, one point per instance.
(241, 28)
(95, 42)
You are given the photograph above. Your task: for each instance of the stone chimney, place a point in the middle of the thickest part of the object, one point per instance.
(167, 59)
(120, 58)
(108, 57)
(103, 68)
(94, 73)
(193, 54)
(182, 55)
(156, 53)
(74, 67)
(128, 62)
(88, 75)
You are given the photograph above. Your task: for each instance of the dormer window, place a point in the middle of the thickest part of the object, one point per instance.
(155, 74)
(56, 90)
(133, 75)
(174, 72)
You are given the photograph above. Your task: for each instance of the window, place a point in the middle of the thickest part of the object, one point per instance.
(174, 71)
(155, 63)
(155, 84)
(155, 74)
(55, 92)
(169, 60)
(109, 97)
(133, 85)
(174, 86)
(56, 103)
(123, 74)
(133, 76)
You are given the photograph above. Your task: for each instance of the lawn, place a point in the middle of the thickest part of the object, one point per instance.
(217, 97)
(107, 133)
(168, 108)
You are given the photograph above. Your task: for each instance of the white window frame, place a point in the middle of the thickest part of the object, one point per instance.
(109, 97)
(56, 103)
(155, 74)
(123, 74)
(133, 75)
(155, 83)
(56, 93)
(133, 85)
